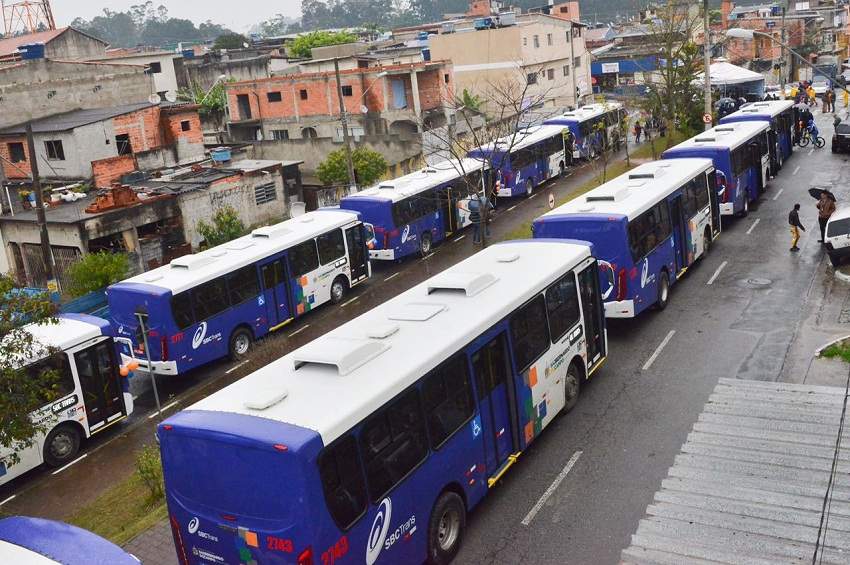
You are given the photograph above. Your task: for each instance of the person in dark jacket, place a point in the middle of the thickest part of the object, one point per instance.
(796, 226)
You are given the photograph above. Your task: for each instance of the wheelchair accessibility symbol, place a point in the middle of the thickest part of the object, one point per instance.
(476, 427)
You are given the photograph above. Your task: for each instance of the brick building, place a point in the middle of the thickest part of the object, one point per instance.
(103, 144)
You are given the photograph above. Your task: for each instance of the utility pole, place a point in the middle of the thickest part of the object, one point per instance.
(782, 62)
(352, 182)
(572, 66)
(706, 47)
(46, 253)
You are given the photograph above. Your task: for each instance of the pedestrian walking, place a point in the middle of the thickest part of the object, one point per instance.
(796, 226)
(826, 207)
(662, 128)
(638, 129)
(825, 102)
(475, 218)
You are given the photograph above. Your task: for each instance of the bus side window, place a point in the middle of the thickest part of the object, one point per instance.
(342, 482)
(181, 309)
(243, 285)
(562, 306)
(210, 298)
(331, 246)
(690, 205)
(529, 333)
(60, 367)
(303, 258)
(447, 399)
(393, 443)
(663, 228)
(700, 185)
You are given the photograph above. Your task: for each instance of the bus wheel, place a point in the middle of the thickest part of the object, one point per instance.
(240, 344)
(529, 187)
(663, 290)
(572, 387)
(338, 289)
(61, 445)
(445, 530)
(425, 244)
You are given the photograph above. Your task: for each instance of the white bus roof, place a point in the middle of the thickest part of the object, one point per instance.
(524, 137)
(191, 270)
(421, 180)
(586, 112)
(768, 108)
(63, 335)
(336, 381)
(729, 135)
(636, 191)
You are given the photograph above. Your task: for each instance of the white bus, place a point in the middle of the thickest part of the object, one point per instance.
(212, 304)
(92, 395)
(373, 441)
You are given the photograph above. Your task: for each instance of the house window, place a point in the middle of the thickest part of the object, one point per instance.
(265, 193)
(280, 134)
(303, 94)
(577, 62)
(524, 41)
(16, 152)
(446, 78)
(549, 38)
(347, 90)
(122, 142)
(577, 32)
(185, 125)
(566, 70)
(55, 151)
(532, 78)
(536, 42)
(274, 96)
(156, 68)
(551, 74)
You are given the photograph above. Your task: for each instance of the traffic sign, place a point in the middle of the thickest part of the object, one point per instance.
(551, 201)
(706, 118)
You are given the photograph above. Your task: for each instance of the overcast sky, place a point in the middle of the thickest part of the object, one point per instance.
(235, 14)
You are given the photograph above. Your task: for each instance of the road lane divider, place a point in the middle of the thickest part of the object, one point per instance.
(797, 170)
(233, 368)
(716, 273)
(551, 490)
(352, 301)
(512, 207)
(74, 462)
(658, 350)
(176, 402)
(391, 277)
(775, 198)
(299, 330)
(8, 499)
(752, 227)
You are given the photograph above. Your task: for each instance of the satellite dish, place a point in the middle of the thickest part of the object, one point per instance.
(154, 99)
(364, 109)
(171, 96)
(245, 45)
(297, 209)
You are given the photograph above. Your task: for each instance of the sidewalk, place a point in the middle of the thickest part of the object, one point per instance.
(155, 546)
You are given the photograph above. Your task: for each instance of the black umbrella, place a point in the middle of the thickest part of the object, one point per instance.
(816, 193)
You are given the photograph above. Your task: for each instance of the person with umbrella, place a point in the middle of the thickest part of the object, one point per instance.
(826, 207)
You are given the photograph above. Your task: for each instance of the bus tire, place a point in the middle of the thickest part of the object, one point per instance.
(61, 445)
(425, 244)
(338, 289)
(240, 344)
(529, 187)
(572, 387)
(445, 528)
(663, 290)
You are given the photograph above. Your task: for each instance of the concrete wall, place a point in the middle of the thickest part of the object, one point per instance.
(163, 81)
(205, 73)
(35, 89)
(74, 46)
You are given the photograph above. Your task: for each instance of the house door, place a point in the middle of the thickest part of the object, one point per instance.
(491, 366)
(243, 103)
(276, 292)
(99, 381)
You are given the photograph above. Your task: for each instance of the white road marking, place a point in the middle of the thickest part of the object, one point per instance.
(344, 304)
(532, 196)
(752, 227)
(658, 350)
(176, 402)
(8, 499)
(394, 275)
(716, 273)
(812, 150)
(230, 370)
(298, 331)
(461, 237)
(512, 207)
(77, 460)
(775, 198)
(797, 170)
(552, 488)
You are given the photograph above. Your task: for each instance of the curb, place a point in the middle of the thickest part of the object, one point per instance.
(820, 349)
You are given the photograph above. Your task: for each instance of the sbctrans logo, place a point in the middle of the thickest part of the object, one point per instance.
(194, 524)
(378, 533)
(200, 334)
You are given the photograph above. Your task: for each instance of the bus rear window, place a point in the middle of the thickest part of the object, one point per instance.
(233, 479)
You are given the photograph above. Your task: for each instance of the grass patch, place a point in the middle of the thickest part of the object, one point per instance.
(122, 512)
(840, 350)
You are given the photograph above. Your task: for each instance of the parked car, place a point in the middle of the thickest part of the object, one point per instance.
(821, 85)
(841, 138)
(837, 238)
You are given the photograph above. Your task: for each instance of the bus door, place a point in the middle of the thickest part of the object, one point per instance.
(756, 186)
(593, 312)
(448, 209)
(100, 384)
(358, 256)
(714, 199)
(774, 151)
(276, 292)
(493, 378)
(680, 242)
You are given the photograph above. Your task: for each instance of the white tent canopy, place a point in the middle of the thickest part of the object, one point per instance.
(723, 73)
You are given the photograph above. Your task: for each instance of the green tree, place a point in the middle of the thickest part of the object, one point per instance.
(96, 271)
(369, 166)
(302, 45)
(226, 226)
(23, 394)
(230, 41)
(471, 101)
(212, 102)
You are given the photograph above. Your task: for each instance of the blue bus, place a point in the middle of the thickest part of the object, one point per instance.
(525, 159)
(215, 303)
(412, 213)
(780, 115)
(741, 154)
(371, 443)
(647, 228)
(36, 541)
(592, 128)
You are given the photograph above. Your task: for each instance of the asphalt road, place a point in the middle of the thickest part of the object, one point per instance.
(612, 451)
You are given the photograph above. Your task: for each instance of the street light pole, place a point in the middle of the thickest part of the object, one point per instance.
(783, 62)
(707, 62)
(41, 219)
(352, 182)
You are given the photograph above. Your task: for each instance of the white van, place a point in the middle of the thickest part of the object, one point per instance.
(837, 238)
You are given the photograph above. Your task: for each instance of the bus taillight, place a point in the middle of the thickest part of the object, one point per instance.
(306, 557)
(164, 343)
(621, 285)
(178, 542)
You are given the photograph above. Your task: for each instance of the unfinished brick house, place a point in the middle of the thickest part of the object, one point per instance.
(102, 144)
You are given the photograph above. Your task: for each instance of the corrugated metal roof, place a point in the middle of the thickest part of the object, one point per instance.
(66, 121)
(749, 483)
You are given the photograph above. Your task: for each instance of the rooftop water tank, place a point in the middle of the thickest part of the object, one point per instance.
(31, 51)
(220, 154)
